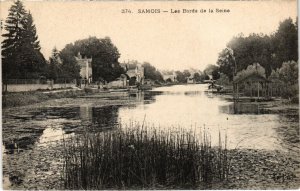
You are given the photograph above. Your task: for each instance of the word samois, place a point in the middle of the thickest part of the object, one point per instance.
(184, 11)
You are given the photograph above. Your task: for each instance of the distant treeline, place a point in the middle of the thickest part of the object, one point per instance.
(270, 51)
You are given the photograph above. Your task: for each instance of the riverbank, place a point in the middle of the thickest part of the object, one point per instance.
(26, 98)
(249, 169)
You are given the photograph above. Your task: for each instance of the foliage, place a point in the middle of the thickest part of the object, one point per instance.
(55, 66)
(186, 73)
(180, 77)
(140, 157)
(104, 56)
(212, 70)
(287, 78)
(21, 56)
(270, 51)
(151, 72)
(285, 43)
(215, 74)
(256, 48)
(226, 62)
(70, 69)
(223, 80)
(288, 72)
(251, 69)
(197, 77)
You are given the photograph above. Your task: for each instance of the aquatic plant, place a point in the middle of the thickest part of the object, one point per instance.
(143, 157)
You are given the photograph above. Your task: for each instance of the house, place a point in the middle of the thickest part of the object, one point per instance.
(85, 67)
(190, 80)
(120, 82)
(169, 75)
(135, 72)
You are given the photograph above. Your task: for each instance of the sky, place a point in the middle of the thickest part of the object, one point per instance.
(173, 41)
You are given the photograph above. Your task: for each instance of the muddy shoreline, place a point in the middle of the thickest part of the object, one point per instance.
(251, 169)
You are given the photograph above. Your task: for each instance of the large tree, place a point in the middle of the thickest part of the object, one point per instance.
(31, 61)
(104, 56)
(21, 50)
(11, 43)
(285, 43)
(69, 68)
(151, 72)
(270, 51)
(180, 77)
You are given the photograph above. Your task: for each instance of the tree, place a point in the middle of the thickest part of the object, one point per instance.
(104, 56)
(11, 42)
(254, 68)
(285, 43)
(186, 73)
(256, 48)
(226, 62)
(215, 74)
(55, 70)
(197, 77)
(270, 51)
(151, 72)
(212, 70)
(288, 73)
(223, 80)
(31, 61)
(69, 68)
(287, 79)
(21, 50)
(180, 77)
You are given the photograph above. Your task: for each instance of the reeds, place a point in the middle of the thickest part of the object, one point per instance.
(142, 157)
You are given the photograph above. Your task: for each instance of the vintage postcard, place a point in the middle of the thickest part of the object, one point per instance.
(132, 95)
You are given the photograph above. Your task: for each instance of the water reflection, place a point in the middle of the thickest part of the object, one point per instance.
(188, 107)
(105, 116)
(243, 108)
(181, 106)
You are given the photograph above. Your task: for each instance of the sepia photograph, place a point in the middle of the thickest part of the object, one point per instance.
(149, 95)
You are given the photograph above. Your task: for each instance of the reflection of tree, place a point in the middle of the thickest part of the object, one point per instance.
(243, 108)
(105, 117)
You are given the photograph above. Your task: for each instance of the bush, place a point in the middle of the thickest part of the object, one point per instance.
(290, 91)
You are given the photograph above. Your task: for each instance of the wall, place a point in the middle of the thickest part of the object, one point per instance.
(117, 84)
(33, 87)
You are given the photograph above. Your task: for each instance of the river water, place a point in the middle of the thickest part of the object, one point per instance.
(248, 126)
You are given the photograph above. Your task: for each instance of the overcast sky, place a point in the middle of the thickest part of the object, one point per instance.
(167, 41)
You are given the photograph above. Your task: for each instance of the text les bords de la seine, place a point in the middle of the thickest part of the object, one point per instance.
(175, 11)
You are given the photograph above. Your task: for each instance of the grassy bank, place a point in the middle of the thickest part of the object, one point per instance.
(143, 158)
(26, 98)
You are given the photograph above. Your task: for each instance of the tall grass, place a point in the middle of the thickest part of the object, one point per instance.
(143, 158)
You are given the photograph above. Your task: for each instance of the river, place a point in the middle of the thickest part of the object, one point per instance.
(189, 107)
